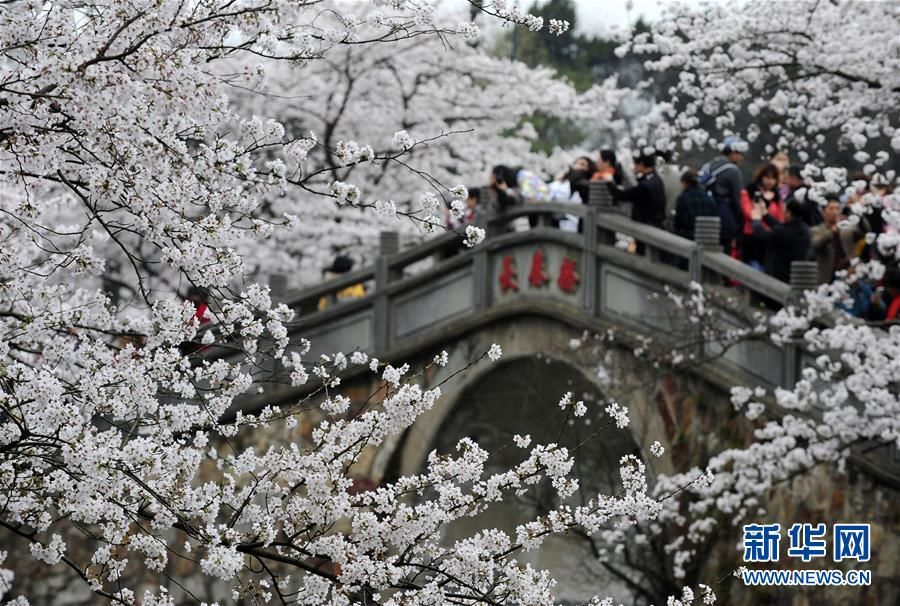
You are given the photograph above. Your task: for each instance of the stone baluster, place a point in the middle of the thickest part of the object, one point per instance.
(487, 211)
(601, 201)
(589, 267)
(599, 196)
(706, 232)
(706, 235)
(278, 287)
(389, 244)
(804, 276)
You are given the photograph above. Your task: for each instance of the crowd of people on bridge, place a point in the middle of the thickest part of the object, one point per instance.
(767, 223)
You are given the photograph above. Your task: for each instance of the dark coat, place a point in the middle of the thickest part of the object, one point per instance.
(692, 203)
(727, 191)
(784, 242)
(811, 213)
(648, 199)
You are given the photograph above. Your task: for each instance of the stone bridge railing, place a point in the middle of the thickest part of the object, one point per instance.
(425, 293)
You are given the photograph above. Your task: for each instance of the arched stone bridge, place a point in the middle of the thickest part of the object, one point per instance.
(534, 290)
(439, 289)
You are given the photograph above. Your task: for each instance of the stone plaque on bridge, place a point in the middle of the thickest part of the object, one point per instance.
(433, 303)
(345, 335)
(627, 295)
(548, 270)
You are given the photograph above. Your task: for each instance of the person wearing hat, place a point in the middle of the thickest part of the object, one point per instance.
(341, 265)
(723, 179)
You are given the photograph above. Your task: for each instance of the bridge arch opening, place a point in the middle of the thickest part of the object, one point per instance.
(520, 396)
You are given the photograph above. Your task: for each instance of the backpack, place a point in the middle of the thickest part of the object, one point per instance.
(731, 219)
(708, 176)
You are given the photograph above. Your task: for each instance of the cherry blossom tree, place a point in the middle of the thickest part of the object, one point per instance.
(441, 111)
(151, 148)
(130, 175)
(800, 69)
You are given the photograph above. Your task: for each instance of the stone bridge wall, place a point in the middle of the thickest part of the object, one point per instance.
(690, 415)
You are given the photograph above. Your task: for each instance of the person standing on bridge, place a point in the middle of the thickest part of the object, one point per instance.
(885, 303)
(576, 178)
(722, 178)
(341, 265)
(513, 186)
(648, 197)
(692, 202)
(827, 244)
(608, 168)
(784, 242)
(571, 187)
(764, 189)
(812, 214)
(459, 218)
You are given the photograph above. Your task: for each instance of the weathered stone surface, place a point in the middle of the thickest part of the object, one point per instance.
(693, 418)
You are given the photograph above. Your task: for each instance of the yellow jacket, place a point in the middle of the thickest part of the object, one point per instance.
(354, 291)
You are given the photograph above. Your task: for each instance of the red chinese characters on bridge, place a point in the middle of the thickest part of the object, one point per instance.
(537, 276)
(508, 274)
(567, 280)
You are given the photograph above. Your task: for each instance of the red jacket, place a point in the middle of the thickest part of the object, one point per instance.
(775, 208)
(893, 309)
